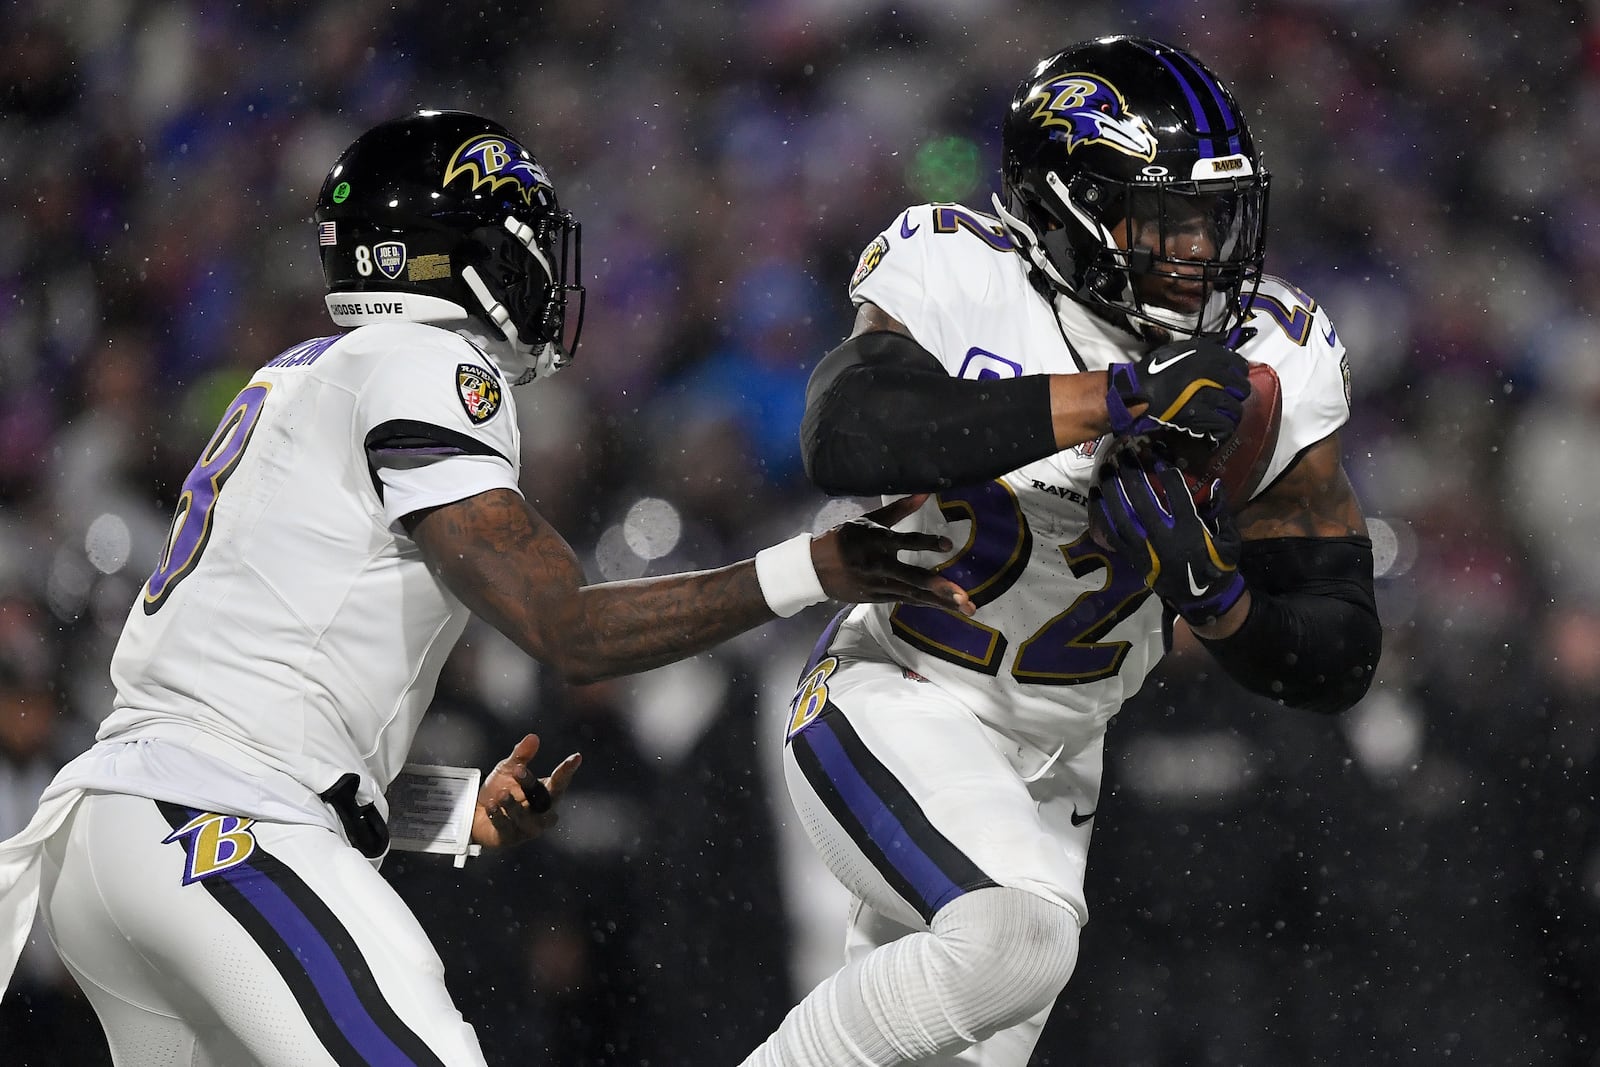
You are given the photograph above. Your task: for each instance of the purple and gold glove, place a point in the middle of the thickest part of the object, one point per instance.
(1141, 509)
(1196, 386)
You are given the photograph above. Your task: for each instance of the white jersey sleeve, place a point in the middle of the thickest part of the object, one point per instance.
(1296, 336)
(936, 270)
(437, 423)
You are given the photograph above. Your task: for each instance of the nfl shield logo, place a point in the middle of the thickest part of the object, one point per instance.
(390, 256)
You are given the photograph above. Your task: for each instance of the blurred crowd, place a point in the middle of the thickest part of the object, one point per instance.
(1415, 882)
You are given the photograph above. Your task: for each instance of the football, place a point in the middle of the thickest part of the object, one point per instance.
(1242, 461)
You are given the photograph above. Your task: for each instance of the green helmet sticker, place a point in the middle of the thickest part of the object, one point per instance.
(341, 192)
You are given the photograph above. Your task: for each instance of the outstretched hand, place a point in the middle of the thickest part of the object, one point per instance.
(857, 561)
(514, 805)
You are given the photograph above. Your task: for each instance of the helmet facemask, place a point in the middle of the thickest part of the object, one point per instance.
(521, 276)
(1174, 259)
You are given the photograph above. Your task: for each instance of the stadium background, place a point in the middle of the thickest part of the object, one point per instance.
(1415, 882)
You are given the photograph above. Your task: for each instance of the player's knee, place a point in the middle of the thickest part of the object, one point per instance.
(1010, 954)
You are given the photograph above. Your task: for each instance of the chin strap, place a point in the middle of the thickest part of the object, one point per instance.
(1024, 237)
(534, 361)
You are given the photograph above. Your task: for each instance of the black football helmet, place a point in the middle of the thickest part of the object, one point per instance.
(1133, 186)
(443, 216)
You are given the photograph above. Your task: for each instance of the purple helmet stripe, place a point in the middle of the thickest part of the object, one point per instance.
(1201, 122)
(1230, 119)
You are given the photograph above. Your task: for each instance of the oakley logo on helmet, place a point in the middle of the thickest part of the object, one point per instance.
(1093, 111)
(495, 161)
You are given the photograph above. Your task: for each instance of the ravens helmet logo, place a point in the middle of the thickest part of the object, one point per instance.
(496, 161)
(1093, 112)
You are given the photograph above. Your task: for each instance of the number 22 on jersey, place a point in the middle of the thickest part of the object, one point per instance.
(1066, 650)
(191, 523)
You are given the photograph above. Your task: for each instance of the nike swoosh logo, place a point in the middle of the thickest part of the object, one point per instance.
(906, 229)
(1331, 337)
(1195, 587)
(1157, 366)
(1079, 820)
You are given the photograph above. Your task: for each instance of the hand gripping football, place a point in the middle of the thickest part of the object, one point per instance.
(1241, 462)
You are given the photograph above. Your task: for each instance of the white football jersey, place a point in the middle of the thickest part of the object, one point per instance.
(1065, 632)
(291, 620)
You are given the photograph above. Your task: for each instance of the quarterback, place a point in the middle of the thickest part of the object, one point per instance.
(207, 870)
(1024, 367)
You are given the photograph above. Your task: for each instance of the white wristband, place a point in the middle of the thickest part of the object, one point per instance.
(788, 577)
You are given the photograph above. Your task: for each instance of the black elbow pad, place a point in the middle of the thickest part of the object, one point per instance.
(1312, 638)
(883, 416)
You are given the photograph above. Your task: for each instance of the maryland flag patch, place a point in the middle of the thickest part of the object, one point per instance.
(479, 390)
(869, 261)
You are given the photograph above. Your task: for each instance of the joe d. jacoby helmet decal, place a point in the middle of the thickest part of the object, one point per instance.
(495, 161)
(1092, 111)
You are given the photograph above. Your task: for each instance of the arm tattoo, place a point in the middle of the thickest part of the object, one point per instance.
(1313, 498)
(641, 624)
(511, 568)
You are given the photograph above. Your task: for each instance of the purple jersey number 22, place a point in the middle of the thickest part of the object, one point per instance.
(1070, 648)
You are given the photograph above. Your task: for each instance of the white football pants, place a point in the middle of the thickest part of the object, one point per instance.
(921, 811)
(206, 940)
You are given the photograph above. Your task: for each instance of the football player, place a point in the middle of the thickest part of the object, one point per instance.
(208, 868)
(948, 767)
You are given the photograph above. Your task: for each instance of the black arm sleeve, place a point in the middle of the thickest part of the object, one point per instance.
(882, 416)
(1312, 637)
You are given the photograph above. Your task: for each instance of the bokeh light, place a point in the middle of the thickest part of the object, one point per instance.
(946, 169)
(652, 528)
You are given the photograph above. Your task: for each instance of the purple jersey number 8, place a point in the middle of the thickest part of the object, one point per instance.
(191, 524)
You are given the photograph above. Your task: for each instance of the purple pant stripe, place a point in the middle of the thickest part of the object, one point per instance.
(321, 965)
(880, 823)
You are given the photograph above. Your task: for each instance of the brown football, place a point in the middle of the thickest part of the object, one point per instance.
(1240, 464)
(1243, 460)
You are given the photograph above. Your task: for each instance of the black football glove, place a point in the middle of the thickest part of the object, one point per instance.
(1142, 510)
(1197, 386)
